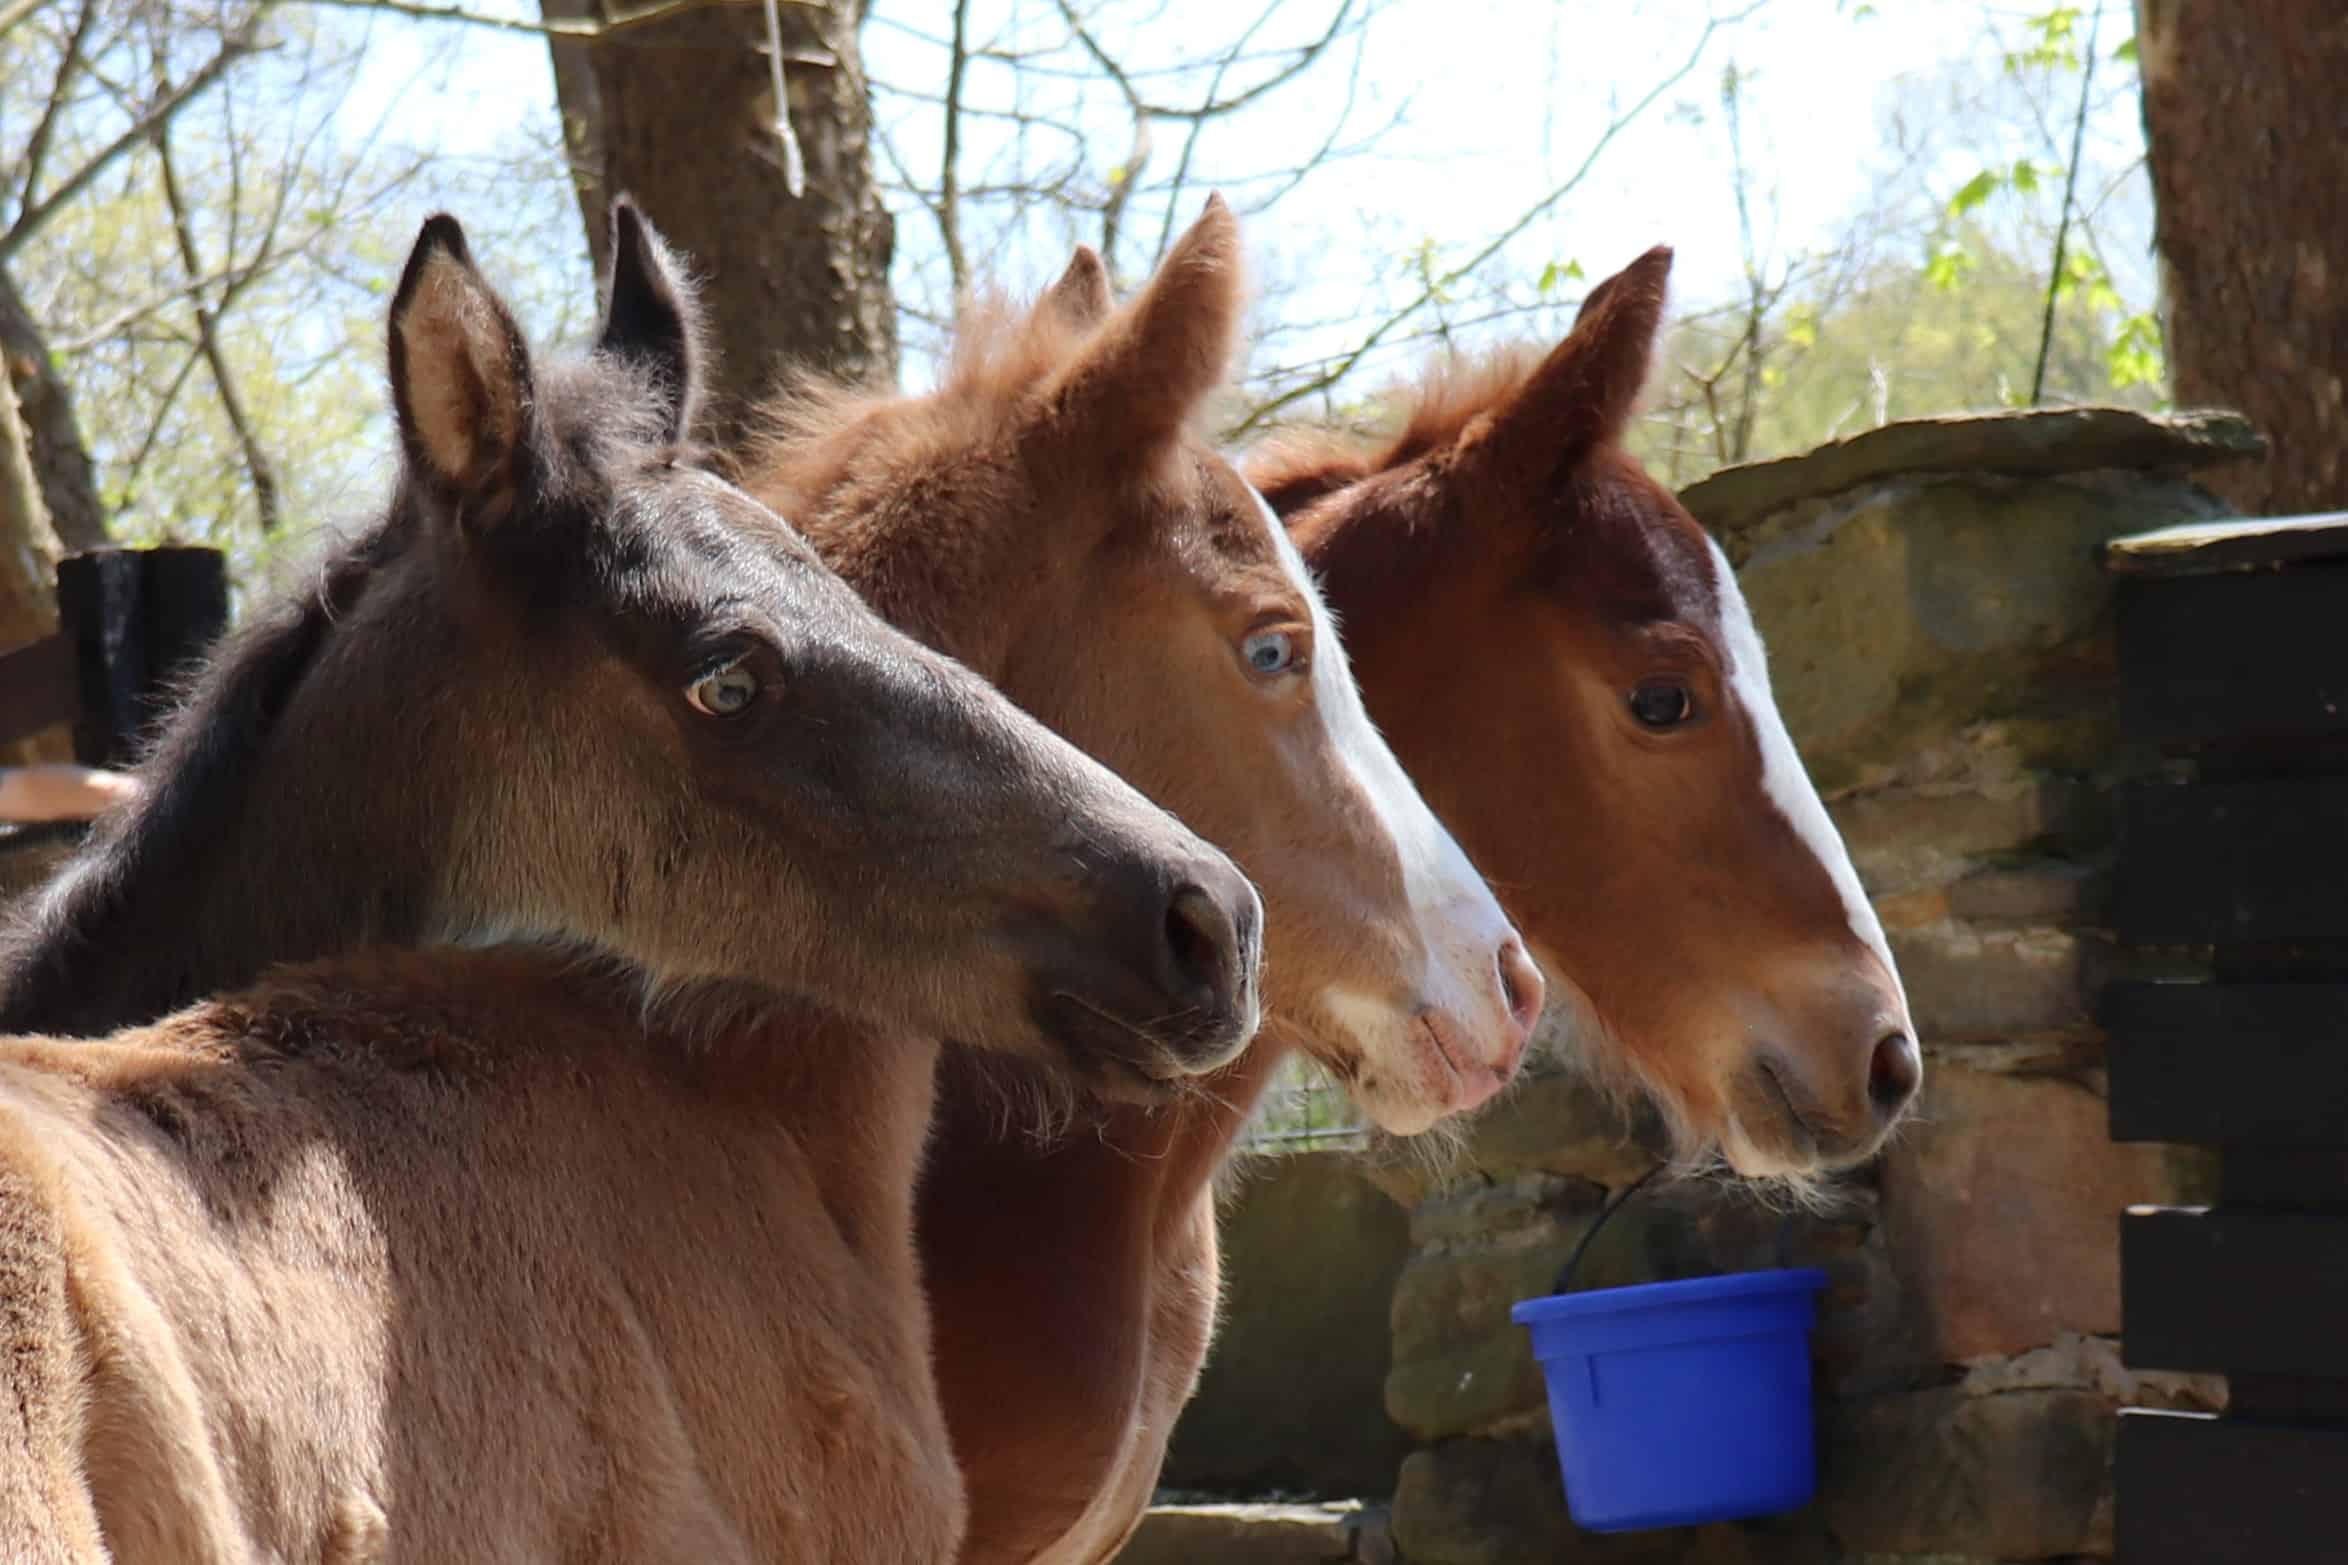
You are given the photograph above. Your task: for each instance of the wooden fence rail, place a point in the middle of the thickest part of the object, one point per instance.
(2234, 663)
(129, 621)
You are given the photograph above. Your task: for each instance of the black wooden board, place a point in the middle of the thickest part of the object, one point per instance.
(40, 687)
(98, 597)
(2241, 543)
(2221, 1290)
(137, 619)
(2295, 1398)
(2286, 1176)
(2215, 1062)
(2254, 861)
(2228, 1491)
(2217, 659)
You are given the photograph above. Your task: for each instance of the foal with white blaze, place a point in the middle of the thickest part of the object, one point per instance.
(1666, 852)
(1050, 517)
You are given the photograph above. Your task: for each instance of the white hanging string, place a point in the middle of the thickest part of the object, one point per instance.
(794, 162)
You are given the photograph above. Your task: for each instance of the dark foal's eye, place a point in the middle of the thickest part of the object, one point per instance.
(723, 692)
(1662, 703)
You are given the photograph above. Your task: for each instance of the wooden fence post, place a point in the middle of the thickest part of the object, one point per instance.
(2234, 663)
(137, 618)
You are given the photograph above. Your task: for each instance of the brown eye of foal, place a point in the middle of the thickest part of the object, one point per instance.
(1662, 703)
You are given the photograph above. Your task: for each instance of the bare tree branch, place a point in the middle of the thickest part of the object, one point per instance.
(18, 11)
(1757, 298)
(568, 31)
(154, 435)
(131, 315)
(2054, 278)
(30, 221)
(1622, 121)
(949, 205)
(1122, 181)
(257, 463)
(1181, 177)
(69, 63)
(1302, 58)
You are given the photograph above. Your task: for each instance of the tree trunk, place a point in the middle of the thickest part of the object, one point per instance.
(2244, 113)
(61, 463)
(28, 567)
(680, 114)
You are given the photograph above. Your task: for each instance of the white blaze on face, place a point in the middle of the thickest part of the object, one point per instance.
(1458, 922)
(1784, 777)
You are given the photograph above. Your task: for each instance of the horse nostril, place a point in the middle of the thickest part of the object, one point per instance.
(1894, 1073)
(1522, 989)
(1202, 946)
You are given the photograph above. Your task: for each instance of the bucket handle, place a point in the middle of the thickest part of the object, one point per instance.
(1573, 1261)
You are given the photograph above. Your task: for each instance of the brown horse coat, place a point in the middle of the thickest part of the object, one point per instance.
(419, 1257)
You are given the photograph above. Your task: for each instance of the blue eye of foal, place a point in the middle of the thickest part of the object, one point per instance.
(1269, 652)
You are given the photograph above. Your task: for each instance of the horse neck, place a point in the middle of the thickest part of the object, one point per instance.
(1179, 1149)
(251, 847)
(172, 908)
(856, 1103)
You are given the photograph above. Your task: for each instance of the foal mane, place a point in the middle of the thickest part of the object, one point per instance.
(157, 848)
(1002, 354)
(1301, 463)
(106, 944)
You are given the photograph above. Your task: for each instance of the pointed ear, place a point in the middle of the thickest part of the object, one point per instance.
(1080, 299)
(460, 371)
(649, 316)
(1141, 375)
(1583, 394)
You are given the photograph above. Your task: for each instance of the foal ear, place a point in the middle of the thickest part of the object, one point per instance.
(1582, 395)
(649, 316)
(1140, 376)
(460, 371)
(1080, 299)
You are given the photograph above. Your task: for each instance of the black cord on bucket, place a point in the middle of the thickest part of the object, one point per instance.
(1564, 1284)
(1612, 1206)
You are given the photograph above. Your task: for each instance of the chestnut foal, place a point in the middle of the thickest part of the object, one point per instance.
(1600, 722)
(1047, 518)
(1666, 852)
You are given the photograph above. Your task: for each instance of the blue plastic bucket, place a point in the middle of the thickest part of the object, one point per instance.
(1681, 1402)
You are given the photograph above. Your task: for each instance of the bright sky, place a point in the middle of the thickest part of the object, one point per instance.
(1505, 98)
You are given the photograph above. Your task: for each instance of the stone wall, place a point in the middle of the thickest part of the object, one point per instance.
(1941, 648)
(1293, 1401)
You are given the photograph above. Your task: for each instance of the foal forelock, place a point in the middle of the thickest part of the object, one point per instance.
(101, 947)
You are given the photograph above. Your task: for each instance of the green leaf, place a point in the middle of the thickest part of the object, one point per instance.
(1801, 326)
(2024, 177)
(2080, 270)
(2054, 42)
(1948, 266)
(1556, 273)
(2134, 357)
(2126, 52)
(1976, 190)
